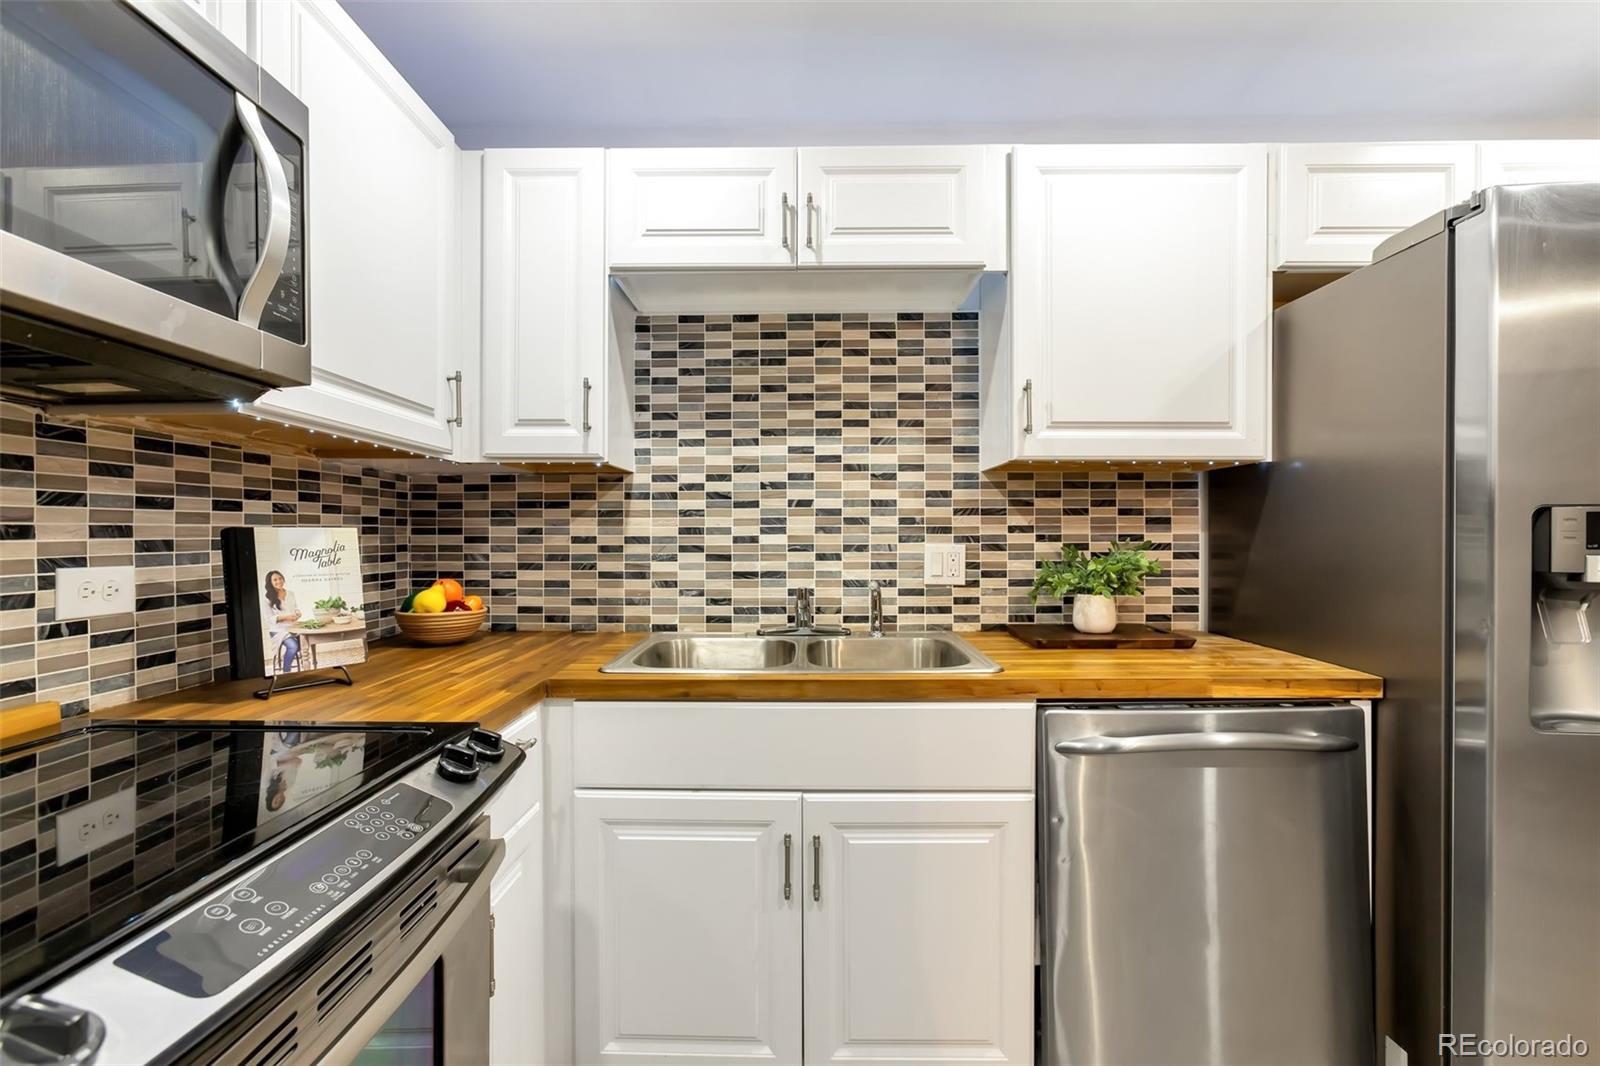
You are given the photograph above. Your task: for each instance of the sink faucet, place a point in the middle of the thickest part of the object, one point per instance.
(805, 620)
(875, 610)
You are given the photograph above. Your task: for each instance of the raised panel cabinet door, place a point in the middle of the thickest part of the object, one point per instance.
(895, 206)
(383, 256)
(1532, 162)
(1140, 302)
(919, 927)
(544, 302)
(701, 207)
(1338, 202)
(686, 949)
(516, 1035)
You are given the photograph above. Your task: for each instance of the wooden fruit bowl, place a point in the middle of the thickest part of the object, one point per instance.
(445, 627)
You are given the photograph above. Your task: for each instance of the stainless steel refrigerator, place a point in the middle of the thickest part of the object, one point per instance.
(1432, 514)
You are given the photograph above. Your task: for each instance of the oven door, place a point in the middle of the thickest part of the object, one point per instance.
(152, 189)
(409, 986)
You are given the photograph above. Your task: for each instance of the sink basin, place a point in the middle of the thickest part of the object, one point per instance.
(894, 653)
(712, 654)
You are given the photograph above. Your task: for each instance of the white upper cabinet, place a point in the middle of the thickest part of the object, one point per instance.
(1529, 162)
(896, 206)
(551, 350)
(701, 207)
(918, 932)
(687, 944)
(1135, 322)
(1337, 202)
(382, 239)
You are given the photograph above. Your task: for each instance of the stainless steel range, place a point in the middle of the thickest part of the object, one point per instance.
(248, 894)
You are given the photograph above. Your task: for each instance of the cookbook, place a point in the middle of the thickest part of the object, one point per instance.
(294, 599)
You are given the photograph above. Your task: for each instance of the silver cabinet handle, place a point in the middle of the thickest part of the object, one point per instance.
(811, 242)
(275, 249)
(816, 869)
(1151, 742)
(784, 221)
(456, 379)
(788, 856)
(186, 220)
(1027, 406)
(586, 390)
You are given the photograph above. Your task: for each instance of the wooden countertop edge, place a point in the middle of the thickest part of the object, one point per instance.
(498, 676)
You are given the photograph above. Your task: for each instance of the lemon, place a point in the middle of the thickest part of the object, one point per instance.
(429, 601)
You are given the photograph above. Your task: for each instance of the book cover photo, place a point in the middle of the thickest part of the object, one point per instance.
(304, 601)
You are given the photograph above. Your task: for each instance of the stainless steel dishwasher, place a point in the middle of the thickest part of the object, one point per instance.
(1204, 884)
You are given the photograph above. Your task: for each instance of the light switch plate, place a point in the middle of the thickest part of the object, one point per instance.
(944, 564)
(89, 592)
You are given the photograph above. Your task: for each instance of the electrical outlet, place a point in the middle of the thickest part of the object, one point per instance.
(88, 592)
(944, 564)
(81, 829)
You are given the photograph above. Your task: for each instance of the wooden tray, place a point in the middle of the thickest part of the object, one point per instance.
(1126, 635)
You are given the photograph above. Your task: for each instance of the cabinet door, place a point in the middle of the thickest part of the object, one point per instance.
(516, 901)
(919, 928)
(1337, 202)
(894, 206)
(1139, 321)
(381, 240)
(700, 207)
(686, 949)
(1530, 162)
(544, 302)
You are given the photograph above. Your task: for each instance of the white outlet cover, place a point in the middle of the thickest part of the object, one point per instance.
(944, 564)
(81, 829)
(92, 591)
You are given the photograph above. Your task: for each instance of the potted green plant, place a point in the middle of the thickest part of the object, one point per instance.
(324, 610)
(1093, 581)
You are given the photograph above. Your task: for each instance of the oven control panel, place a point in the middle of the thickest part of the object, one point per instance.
(241, 927)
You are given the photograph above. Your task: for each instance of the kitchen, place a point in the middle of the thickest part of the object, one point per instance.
(603, 436)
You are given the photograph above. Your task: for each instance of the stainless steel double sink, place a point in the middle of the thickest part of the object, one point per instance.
(718, 653)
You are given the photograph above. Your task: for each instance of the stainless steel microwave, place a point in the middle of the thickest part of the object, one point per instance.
(152, 210)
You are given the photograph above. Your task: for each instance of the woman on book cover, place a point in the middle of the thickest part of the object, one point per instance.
(281, 614)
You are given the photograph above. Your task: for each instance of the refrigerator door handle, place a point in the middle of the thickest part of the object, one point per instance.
(1235, 741)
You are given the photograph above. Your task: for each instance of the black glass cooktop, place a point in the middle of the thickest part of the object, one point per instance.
(115, 822)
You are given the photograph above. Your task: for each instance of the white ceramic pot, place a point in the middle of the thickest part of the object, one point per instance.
(1094, 614)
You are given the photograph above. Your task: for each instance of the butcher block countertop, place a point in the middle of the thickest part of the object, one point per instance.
(495, 677)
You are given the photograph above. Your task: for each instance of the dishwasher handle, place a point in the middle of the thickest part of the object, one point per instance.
(1232, 741)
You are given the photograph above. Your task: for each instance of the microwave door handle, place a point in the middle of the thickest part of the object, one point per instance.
(1237, 741)
(275, 246)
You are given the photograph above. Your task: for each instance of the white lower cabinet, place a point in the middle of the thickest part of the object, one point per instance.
(686, 949)
(516, 902)
(909, 915)
(918, 928)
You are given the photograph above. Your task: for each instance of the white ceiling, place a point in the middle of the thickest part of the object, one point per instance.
(725, 72)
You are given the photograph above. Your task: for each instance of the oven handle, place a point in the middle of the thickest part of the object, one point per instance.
(477, 870)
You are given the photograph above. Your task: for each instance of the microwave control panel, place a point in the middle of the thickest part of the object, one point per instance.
(241, 927)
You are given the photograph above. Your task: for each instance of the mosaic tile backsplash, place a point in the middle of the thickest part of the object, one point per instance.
(784, 450)
(773, 451)
(91, 493)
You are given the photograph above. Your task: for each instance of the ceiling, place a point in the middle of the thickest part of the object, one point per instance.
(503, 73)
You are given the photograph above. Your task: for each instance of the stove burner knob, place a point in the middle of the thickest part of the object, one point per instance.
(487, 743)
(35, 1029)
(458, 762)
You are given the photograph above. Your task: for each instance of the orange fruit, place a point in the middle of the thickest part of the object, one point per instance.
(474, 603)
(451, 587)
